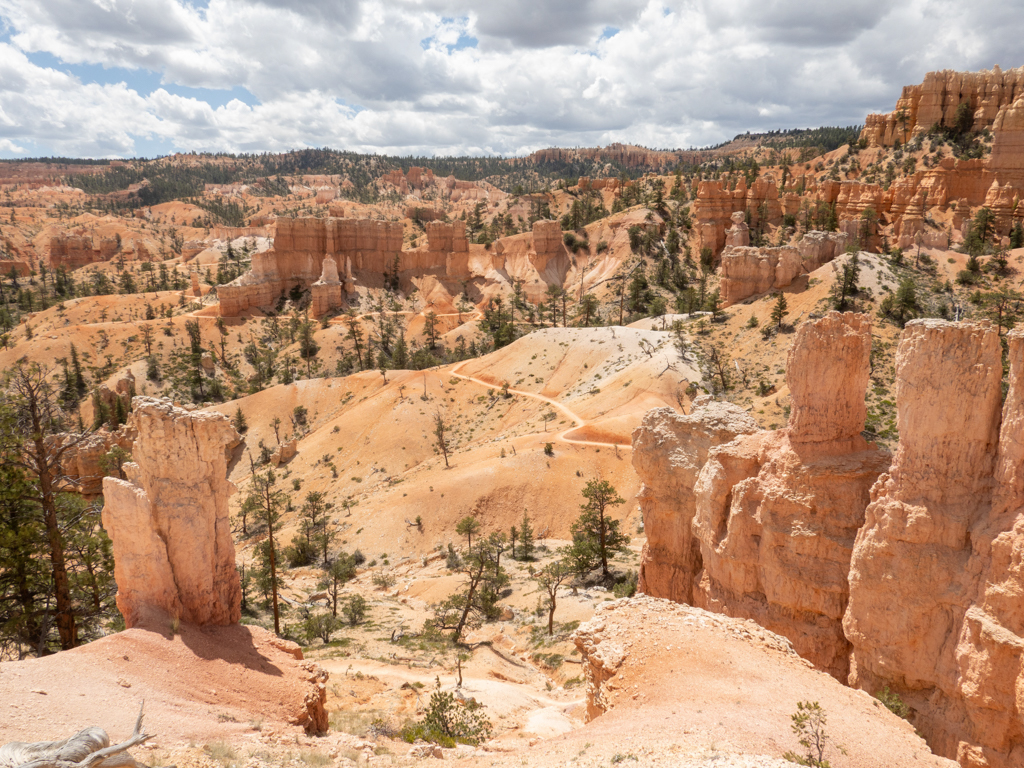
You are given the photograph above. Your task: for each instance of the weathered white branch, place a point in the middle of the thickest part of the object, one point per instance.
(89, 748)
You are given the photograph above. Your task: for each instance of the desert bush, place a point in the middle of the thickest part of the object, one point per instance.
(448, 722)
(383, 579)
(354, 610)
(893, 702)
(809, 726)
(321, 625)
(626, 587)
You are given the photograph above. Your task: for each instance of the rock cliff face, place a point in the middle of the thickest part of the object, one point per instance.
(777, 512)
(74, 251)
(547, 243)
(326, 292)
(173, 554)
(83, 464)
(990, 93)
(762, 526)
(945, 525)
(913, 580)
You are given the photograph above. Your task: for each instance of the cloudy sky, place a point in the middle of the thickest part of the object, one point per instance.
(106, 78)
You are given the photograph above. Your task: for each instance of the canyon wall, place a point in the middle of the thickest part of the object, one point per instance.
(669, 449)
(777, 512)
(908, 576)
(946, 525)
(996, 102)
(168, 522)
(330, 256)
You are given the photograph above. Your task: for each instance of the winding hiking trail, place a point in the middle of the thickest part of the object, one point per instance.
(561, 436)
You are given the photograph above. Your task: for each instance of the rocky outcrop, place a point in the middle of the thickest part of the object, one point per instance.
(362, 248)
(748, 271)
(173, 553)
(325, 293)
(284, 453)
(773, 514)
(547, 243)
(738, 235)
(715, 204)
(990, 93)
(777, 512)
(915, 581)
(85, 464)
(669, 450)
(74, 251)
(945, 525)
(680, 669)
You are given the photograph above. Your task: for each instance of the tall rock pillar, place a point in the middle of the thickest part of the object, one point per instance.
(173, 553)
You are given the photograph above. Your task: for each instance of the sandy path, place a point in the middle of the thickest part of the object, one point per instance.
(562, 436)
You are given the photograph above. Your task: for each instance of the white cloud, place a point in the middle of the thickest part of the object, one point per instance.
(440, 76)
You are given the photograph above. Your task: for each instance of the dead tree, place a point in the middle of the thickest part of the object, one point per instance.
(89, 748)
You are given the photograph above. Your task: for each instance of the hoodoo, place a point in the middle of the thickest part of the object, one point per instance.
(173, 553)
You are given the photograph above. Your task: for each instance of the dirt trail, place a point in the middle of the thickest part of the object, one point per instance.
(562, 436)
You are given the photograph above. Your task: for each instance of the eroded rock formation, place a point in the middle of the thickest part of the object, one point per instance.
(173, 553)
(990, 94)
(777, 512)
(358, 247)
(84, 464)
(669, 450)
(913, 581)
(74, 251)
(326, 292)
(945, 524)
(748, 271)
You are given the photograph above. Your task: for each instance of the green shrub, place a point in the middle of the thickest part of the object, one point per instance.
(354, 610)
(809, 726)
(448, 722)
(893, 702)
(383, 580)
(626, 587)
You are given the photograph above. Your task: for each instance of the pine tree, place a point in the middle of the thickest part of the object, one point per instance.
(239, 422)
(594, 526)
(265, 503)
(78, 379)
(525, 538)
(400, 358)
(779, 309)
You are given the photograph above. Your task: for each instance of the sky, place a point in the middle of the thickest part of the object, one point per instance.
(141, 78)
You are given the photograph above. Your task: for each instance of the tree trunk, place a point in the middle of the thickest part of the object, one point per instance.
(273, 585)
(474, 580)
(604, 552)
(61, 585)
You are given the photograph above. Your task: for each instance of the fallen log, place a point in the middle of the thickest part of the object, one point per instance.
(89, 748)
